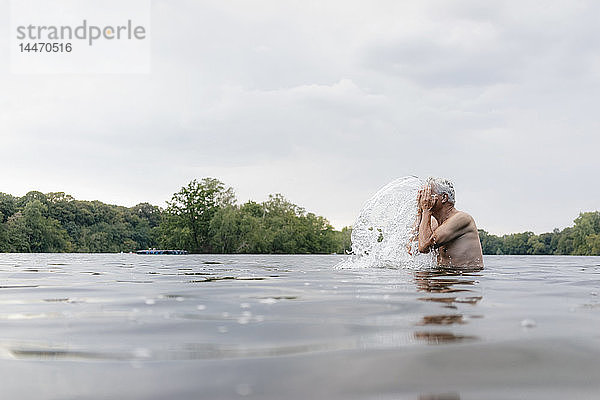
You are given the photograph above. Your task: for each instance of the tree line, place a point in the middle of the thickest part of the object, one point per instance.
(203, 217)
(583, 238)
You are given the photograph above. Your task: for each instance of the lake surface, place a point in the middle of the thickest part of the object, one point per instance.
(122, 326)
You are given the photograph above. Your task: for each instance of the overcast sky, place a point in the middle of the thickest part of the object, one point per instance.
(325, 102)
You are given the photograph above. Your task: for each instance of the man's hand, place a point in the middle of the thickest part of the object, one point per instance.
(425, 200)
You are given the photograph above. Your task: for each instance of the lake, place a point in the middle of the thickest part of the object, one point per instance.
(124, 326)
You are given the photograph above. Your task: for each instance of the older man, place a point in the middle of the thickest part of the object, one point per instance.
(452, 232)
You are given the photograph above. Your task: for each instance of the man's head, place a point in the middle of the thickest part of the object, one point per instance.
(443, 190)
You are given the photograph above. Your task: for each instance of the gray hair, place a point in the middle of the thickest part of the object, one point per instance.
(442, 186)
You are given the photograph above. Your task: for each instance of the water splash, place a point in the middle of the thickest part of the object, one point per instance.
(384, 228)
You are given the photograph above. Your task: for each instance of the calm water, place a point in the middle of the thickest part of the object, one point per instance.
(227, 327)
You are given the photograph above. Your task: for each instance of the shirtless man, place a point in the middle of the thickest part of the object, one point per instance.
(452, 232)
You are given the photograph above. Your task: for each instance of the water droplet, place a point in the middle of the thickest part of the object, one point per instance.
(201, 307)
(245, 305)
(150, 301)
(269, 300)
(222, 329)
(393, 210)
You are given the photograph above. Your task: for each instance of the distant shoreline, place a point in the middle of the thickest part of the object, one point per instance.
(204, 218)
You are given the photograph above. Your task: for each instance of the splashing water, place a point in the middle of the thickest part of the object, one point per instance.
(384, 228)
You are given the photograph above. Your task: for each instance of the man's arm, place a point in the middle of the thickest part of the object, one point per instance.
(425, 237)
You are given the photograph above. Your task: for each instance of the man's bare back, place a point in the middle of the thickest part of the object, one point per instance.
(451, 231)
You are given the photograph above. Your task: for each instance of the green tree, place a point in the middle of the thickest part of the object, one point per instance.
(190, 211)
(30, 197)
(253, 235)
(281, 224)
(8, 206)
(593, 244)
(535, 246)
(43, 234)
(565, 243)
(345, 240)
(16, 232)
(517, 243)
(490, 244)
(587, 225)
(225, 230)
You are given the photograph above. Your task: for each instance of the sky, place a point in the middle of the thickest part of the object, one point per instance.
(326, 102)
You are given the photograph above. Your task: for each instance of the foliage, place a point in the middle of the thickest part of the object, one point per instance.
(201, 217)
(581, 239)
(190, 212)
(56, 222)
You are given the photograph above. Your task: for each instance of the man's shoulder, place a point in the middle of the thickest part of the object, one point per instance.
(463, 218)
